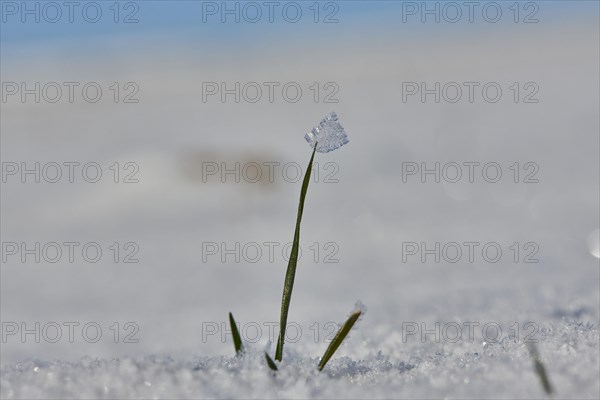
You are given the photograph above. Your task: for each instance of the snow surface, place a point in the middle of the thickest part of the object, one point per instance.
(460, 370)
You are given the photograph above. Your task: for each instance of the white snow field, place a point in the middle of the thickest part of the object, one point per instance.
(460, 370)
(435, 328)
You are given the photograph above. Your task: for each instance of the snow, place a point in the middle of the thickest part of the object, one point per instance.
(459, 370)
(357, 201)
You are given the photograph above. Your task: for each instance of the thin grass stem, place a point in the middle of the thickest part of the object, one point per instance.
(291, 269)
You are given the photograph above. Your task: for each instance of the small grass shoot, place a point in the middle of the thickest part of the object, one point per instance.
(237, 340)
(339, 338)
(288, 285)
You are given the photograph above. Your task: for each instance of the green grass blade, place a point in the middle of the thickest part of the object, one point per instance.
(291, 269)
(339, 338)
(539, 368)
(237, 340)
(270, 362)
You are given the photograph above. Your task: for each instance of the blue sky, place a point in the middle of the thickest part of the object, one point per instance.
(185, 17)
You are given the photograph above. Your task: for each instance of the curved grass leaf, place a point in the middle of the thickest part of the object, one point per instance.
(237, 340)
(270, 362)
(288, 284)
(339, 338)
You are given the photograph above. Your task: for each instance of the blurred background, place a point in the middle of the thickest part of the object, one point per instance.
(168, 116)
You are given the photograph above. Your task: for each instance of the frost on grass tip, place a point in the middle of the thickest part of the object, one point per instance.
(329, 134)
(359, 306)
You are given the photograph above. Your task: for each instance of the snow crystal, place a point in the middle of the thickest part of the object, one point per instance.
(329, 134)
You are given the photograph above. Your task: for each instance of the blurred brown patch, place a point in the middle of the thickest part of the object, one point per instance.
(205, 166)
